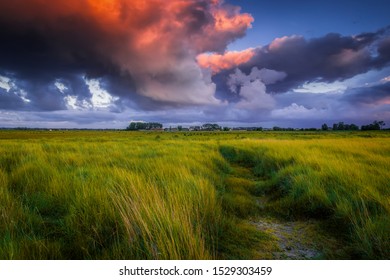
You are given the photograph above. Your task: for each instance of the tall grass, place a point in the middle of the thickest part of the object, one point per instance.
(121, 195)
(107, 198)
(343, 181)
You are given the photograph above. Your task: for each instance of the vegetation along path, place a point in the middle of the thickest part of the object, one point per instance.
(292, 239)
(194, 195)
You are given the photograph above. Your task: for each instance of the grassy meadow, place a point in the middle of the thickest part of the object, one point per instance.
(190, 195)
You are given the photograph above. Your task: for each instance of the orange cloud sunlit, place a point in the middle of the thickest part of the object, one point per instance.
(155, 42)
(228, 60)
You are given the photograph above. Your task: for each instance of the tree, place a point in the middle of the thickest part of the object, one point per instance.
(211, 127)
(380, 123)
(143, 126)
(341, 126)
(353, 127)
(324, 127)
(345, 126)
(376, 125)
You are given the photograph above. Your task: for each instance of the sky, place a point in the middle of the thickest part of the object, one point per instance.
(103, 64)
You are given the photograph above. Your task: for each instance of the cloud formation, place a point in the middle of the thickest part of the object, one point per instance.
(149, 46)
(228, 60)
(252, 88)
(88, 61)
(295, 111)
(330, 58)
(376, 95)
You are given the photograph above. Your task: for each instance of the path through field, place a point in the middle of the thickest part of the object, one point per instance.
(294, 239)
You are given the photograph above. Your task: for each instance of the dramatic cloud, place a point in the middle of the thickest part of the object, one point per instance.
(252, 88)
(369, 96)
(149, 46)
(68, 63)
(266, 76)
(325, 59)
(218, 62)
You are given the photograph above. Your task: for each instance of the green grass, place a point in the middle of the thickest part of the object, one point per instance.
(345, 182)
(133, 195)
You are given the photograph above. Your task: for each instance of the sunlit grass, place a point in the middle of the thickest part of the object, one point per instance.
(121, 195)
(344, 181)
(103, 197)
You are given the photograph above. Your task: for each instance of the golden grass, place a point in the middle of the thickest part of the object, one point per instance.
(132, 195)
(345, 181)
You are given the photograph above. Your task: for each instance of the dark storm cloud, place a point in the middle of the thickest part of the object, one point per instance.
(60, 62)
(325, 59)
(384, 51)
(11, 100)
(368, 96)
(148, 46)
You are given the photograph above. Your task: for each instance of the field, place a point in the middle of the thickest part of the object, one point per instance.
(194, 195)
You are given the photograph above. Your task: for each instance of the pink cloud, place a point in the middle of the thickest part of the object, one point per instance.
(228, 60)
(279, 43)
(155, 42)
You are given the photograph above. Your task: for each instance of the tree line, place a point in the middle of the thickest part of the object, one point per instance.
(340, 126)
(144, 126)
(376, 125)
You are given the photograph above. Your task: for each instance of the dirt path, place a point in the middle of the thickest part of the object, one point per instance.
(294, 240)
